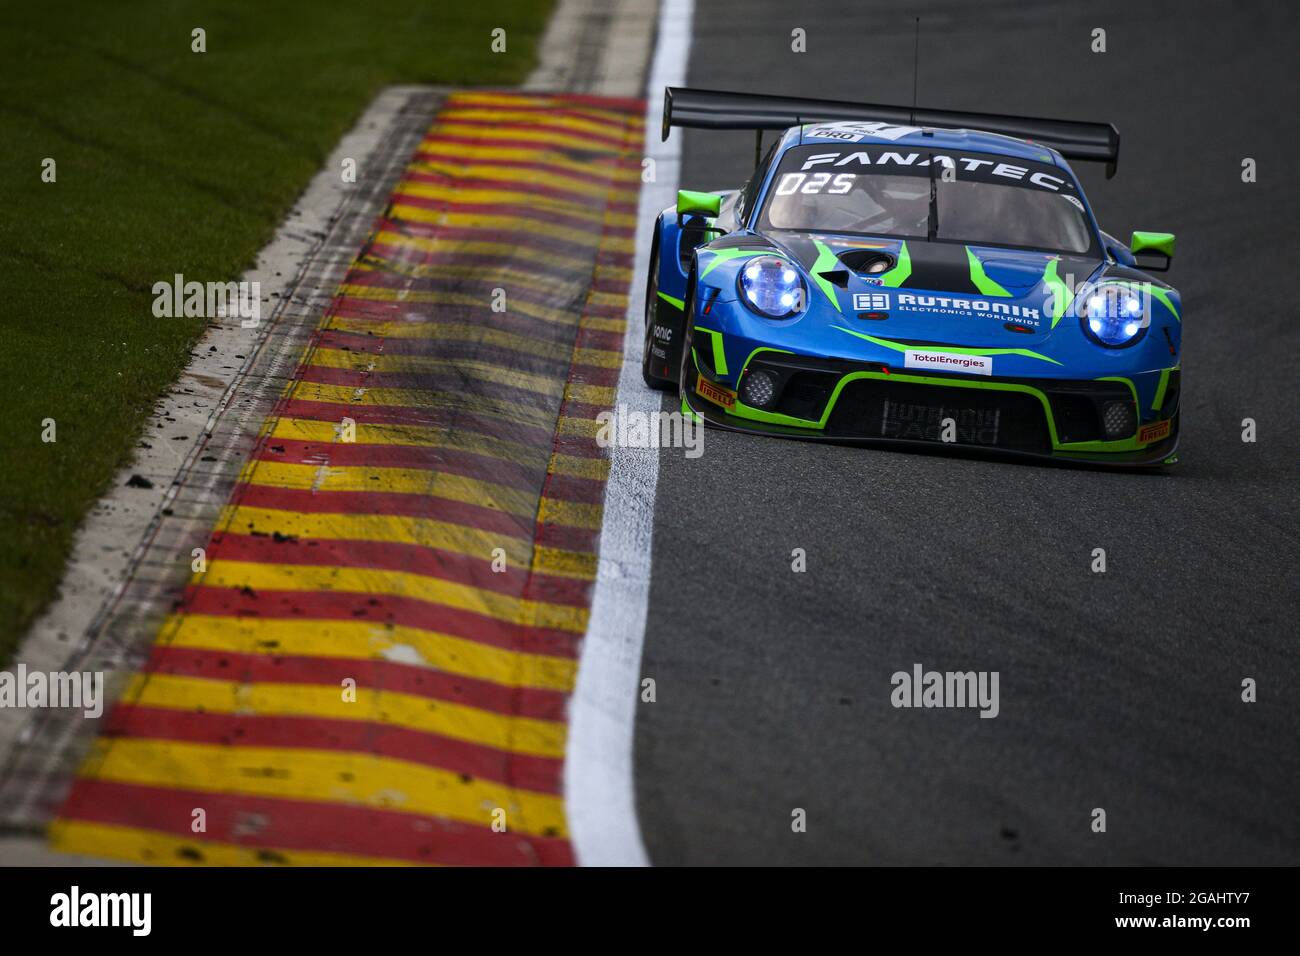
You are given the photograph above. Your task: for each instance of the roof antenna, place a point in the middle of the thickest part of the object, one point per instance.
(916, 57)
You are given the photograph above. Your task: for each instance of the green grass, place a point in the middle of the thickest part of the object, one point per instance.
(167, 161)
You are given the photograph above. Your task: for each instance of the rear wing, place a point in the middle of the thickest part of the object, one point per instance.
(711, 109)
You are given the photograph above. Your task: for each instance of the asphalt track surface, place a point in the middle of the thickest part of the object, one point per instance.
(1119, 690)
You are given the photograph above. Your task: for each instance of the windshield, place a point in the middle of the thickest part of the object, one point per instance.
(981, 199)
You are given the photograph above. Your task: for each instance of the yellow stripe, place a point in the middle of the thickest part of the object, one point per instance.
(548, 140)
(398, 362)
(513, 269)
(496, 224)
(302, 429)
(506, 100)
(492, 195)
(577, 467)
(537, 118)
(524, 735)
(368, 581)
(374, 293)
(505, 250)
(559, 164)
(605, 358)
(152, 848)
(425, 532)
(456, 332)
(617, 300)
(575, 514)
(347, 778)
(570, 564)
(411, 481)
(365, 640)
(604, 182)
(577, 427)
(589, 394)
(407, 398)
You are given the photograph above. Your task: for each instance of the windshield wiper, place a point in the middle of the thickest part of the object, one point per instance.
(932, 228)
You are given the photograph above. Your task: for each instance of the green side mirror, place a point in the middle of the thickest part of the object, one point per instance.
(1156, 247)
(697, 204)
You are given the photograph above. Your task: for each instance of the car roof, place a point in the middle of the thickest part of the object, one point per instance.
(889, 134)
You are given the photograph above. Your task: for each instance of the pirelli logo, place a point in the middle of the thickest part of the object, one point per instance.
(1155, 431)
(715, 393)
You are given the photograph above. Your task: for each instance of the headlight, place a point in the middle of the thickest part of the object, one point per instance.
(1114, 315)
(771, 286)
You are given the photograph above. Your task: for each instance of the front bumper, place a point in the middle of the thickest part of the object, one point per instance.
(815, 399)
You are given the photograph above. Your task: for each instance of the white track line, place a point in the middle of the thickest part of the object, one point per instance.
(600, 798)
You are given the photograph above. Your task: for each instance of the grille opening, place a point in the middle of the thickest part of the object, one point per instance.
(805, 394)
(983, 418)
(1076, 418)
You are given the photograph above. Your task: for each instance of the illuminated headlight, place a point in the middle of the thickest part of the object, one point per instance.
(1114, 315)
(759, 389)
(772, 287)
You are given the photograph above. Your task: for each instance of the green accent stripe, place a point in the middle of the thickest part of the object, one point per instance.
(902, 269)
(723, 255)
(677, 303)
(1061, 294)
(982, 282)
(719, 354)
(956, 350)
(1159, 400)
(1163, 296)
(826, 262)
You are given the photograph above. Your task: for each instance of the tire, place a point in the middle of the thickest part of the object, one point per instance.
(656, 382)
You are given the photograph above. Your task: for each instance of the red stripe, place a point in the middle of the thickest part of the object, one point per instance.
(375, 344)
(361, 606)
(521, 184)
(386, 503)
(539, 288)
(610, 154)
(431, 154)
(631, 105)
(567, 538)
(399, 556)
(272, 824)
(527, 328)
(456, 106)
(325, 375)
(384, 253)
(370, 674)
(537, 239)
(294, 451)
(416, 417)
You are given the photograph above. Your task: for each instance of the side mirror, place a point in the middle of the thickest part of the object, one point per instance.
(1157, 247)
(697, 204)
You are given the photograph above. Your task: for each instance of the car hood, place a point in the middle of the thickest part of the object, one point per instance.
(940, 292)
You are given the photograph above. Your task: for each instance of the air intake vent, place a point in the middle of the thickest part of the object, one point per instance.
(867, 262)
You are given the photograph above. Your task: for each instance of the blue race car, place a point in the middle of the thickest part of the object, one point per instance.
(911, 276)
